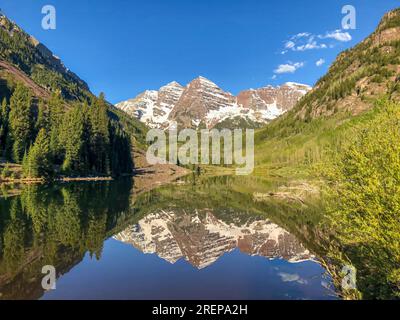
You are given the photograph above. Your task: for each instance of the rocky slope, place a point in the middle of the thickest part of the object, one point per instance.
(38, 62)
(203, 104)
(359, 75)
(201, 238)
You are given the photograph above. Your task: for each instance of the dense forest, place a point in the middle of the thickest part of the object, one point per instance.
(50, 138)
(50, 122)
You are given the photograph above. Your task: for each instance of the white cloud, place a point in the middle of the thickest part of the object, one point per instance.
(288, 277)
(273, 77)
(310, 46)
(289, 44)
(320, 62)
(289, 67)
(306, 41)
(338, 35)
(301, 35)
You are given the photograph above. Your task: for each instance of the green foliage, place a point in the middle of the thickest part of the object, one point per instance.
(120, 150)
(98, 125)
(78, 140)
(57, 225)
(366, 178)
(4, 112)
(57, 82)
(34, 59)
(20, 122)
(5, 173)
(56, 115)
(134, 128)
(38, 163)
(100, 137)
(393, 22)
(73, 138)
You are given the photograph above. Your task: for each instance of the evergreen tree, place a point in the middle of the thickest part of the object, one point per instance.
(43, 118)
(73, 138)
(120, 150)
(20, 121)
(56, 114)
(99, 138)
(4, 111)
(38, 161)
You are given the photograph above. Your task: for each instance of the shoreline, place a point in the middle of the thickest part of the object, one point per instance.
(64, 179)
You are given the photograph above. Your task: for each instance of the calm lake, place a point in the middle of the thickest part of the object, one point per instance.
(197, 238)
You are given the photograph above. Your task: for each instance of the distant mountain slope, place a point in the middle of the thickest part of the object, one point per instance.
(25, 60)
(324, 117)
(38, 62)
(359, 75)
(203, 104)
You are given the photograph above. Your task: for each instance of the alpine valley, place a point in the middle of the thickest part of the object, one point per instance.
(323, 201)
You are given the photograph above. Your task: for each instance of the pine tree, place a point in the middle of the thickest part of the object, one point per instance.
(37, 164)
(56, 115)
(4, 111)
(20, 121)
(43, 118)
(99, 138)
(120, 150)
(73, 138)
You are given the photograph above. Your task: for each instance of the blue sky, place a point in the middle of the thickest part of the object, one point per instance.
(125, 47)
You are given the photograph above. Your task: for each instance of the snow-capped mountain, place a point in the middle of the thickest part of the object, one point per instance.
(203, 104)
(154, 107)
(200, 238)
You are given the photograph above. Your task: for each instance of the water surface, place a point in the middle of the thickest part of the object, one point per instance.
(199, 238)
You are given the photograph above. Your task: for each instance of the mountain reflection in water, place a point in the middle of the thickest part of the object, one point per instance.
(198, 239)
(201, 238)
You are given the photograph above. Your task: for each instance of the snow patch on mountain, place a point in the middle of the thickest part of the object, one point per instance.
(203, 102)
(165, 233)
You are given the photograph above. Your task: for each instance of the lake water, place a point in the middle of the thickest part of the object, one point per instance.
(198, 238)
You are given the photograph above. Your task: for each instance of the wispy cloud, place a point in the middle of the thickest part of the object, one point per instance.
(301, 35)
(320, 62)
(339, 35)
(289, 44)
(311, 46)
(289, 67)
(307, 41)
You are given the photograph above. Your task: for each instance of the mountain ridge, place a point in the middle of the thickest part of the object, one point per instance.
(327, 115)
(202, 103)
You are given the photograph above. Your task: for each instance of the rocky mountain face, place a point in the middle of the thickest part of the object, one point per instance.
(203, 104)
(153, 107)
(200, 238)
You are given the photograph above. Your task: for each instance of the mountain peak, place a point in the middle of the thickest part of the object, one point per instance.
(295, 85)
(203, 81)
(173, 84)
(203, 102)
